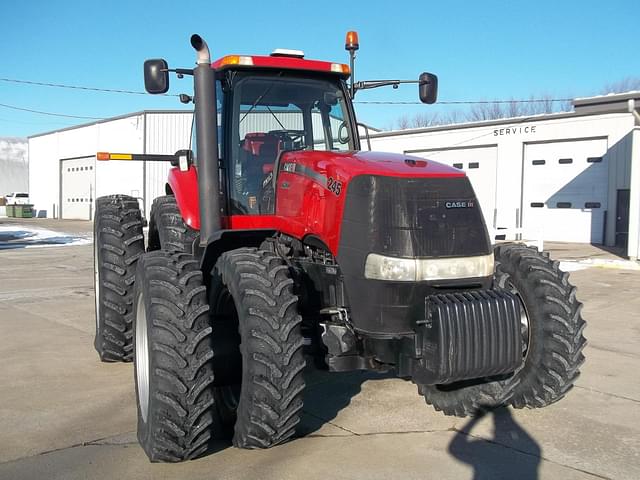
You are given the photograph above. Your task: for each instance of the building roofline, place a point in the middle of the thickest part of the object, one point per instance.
(608, 98)
(127, 115)
(104, 120)
(490, 123)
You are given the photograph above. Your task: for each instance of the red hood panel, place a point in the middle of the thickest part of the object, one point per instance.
(351, 164)
(312, 185)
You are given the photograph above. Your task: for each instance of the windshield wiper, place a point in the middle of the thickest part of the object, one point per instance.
(258, 99)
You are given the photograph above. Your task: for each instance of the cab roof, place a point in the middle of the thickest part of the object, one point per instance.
(280, 62)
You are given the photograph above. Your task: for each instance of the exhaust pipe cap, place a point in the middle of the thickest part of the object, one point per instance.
(200, 46)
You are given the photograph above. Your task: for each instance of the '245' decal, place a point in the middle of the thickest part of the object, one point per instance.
(334, 186)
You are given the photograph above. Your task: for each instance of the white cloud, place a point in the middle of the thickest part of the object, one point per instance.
(13, 150)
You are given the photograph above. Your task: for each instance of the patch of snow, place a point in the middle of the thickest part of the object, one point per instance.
(574, 265)
(23, 236)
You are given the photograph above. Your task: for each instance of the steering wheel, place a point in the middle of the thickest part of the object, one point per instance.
(291, 136)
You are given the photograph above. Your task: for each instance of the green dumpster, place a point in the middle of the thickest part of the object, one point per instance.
(23, 211)
(11, 211)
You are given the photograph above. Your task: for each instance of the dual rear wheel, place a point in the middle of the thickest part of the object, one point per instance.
(230, 363)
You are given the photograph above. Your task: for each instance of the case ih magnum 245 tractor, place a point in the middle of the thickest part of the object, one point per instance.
(279, 243)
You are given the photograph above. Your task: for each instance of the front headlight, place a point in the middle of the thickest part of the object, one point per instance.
(380, 267)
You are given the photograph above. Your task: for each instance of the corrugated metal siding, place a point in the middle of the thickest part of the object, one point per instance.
(165, 133)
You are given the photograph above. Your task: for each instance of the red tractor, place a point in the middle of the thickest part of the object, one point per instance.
(280, 242)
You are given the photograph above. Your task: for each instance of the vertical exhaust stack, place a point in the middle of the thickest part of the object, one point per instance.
(207, 162)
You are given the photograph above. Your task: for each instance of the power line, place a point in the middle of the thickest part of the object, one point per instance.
(49, 113)
(370, 102)
(80, 87)
(468, 102)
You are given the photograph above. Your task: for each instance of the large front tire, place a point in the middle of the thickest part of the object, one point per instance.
(118, 242)
(253, 304)
(167, 230)
(552, 328)
(173, 358)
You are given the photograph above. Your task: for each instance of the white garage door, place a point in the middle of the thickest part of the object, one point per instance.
(480, 165)
(565, 190)
(78, 188)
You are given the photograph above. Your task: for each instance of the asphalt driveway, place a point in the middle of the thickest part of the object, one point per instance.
(65, 415)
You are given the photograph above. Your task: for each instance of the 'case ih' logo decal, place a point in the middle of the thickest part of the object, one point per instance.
(460, 204)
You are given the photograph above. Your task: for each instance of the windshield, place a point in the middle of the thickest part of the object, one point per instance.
(274, 114)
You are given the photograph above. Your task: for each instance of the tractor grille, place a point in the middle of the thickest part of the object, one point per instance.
(403, 217)
(412, 217)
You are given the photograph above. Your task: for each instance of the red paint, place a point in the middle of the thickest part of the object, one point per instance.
(305, 207)
(184, 186)
(350, 164)
(289, 63)
(308, 208)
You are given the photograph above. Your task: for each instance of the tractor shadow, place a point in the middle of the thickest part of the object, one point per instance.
(510, 453)
(326, 394)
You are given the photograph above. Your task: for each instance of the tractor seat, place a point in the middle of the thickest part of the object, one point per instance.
(263, 149)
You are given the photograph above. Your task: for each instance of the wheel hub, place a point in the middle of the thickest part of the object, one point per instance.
(142, 358)
(96, 281)
(524, 319)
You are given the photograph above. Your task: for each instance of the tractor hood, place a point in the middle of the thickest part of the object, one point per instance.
(343, 166)
(315, 188)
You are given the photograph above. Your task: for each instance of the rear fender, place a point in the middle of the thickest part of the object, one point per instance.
(184, 186)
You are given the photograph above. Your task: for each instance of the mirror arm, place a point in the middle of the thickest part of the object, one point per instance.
(180, 71)
(367, 84)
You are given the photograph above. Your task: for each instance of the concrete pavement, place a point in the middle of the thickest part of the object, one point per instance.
(64, 415)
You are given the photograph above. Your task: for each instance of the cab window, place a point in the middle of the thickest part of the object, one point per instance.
(273, 114)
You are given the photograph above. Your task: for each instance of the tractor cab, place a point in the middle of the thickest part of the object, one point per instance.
(268, 111)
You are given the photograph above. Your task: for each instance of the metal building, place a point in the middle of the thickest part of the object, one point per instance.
(65, 178)
(571, 177)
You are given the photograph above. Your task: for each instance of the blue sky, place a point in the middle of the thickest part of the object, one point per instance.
(479, 50)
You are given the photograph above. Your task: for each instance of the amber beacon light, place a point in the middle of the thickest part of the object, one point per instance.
(351, 43)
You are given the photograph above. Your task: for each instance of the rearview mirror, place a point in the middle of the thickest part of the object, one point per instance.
(156, 76)
(330, 98)
(428, 88)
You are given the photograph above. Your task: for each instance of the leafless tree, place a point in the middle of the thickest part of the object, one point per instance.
(536, 105)
(624, 85)
(404, 122)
